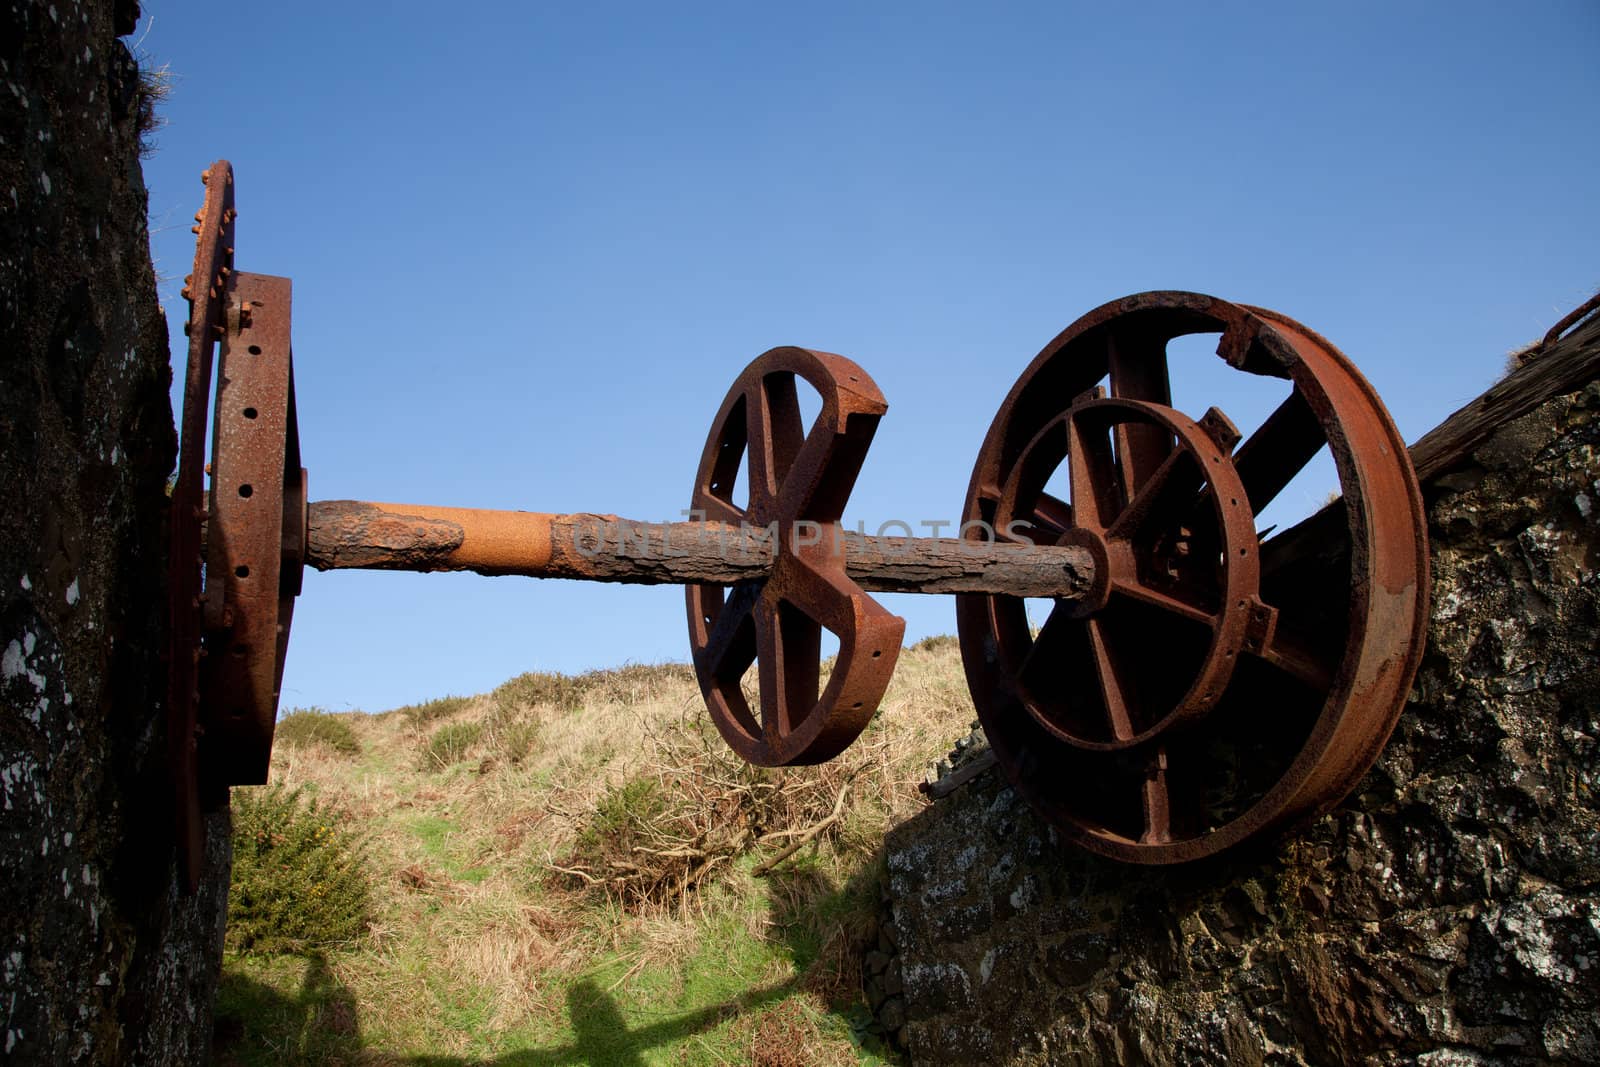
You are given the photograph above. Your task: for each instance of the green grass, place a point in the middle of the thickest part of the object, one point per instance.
(276, 1009)
(480, 951)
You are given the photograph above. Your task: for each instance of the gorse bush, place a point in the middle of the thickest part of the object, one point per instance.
(562, 692)
(568, 692)
(622, 820)
(299, 877)
(431, 711)
(936, 643)
(305, 727)
(511, 735)
(449, 744)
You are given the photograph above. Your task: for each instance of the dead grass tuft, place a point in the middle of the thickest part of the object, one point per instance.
(788, 1036)
(652, 839)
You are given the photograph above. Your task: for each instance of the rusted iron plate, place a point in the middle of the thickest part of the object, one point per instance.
(1191, 703)
(256, 536)
(798, 482)
(204, 289)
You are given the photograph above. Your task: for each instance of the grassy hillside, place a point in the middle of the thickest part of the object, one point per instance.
(568, 870)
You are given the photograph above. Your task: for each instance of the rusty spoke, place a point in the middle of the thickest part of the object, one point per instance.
(1157, 800)
(1113, 690)
(1090, 468)
(789, 666)
(1052, 514)
(1164, 494)
(823, 595)
(1279, 449)
(731, 645)
(1138, 367)
(1295, 657)
(1168, 603)
(776, 436)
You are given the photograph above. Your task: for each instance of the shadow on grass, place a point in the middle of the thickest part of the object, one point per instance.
(823, 923)
(258, 1026)
(601, 1034)
(829, 927)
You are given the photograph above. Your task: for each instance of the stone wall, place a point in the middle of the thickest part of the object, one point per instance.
(102, 958)
(1448, 913)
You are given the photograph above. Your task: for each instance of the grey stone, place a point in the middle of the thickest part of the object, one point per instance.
(1447, 913)
(108, 961)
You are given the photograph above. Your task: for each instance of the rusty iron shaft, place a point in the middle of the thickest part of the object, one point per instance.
(603, 548)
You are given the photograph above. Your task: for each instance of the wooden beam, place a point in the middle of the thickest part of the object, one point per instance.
(603, 548)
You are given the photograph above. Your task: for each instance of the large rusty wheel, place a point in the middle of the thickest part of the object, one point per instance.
(1212, 687)
(799, 482)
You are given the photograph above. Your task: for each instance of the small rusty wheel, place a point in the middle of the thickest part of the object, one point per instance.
(1211, 687)
(798, 485)
(256, 539)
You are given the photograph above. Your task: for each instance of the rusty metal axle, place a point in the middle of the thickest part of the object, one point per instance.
(343, 534)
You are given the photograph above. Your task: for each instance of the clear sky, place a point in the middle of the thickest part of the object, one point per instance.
(533, 244)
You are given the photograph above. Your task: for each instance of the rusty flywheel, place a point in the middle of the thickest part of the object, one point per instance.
(798, 484)
(1201, 694)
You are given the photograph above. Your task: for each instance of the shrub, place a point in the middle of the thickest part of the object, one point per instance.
(621, 819)
(633, 683)
(305, 727)
(430, 711)
(562, 692)
(449, 744)
(936, 643)
(511, 736)
(299, 877)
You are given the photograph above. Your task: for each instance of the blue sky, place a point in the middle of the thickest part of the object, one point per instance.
(533, 244)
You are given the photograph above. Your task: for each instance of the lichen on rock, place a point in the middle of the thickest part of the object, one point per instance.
(102, 958)
(1447, 913)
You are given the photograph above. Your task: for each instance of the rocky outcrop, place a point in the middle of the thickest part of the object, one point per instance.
(1447, 913)
(103, 959)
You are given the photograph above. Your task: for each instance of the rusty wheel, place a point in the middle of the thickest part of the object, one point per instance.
(256, 539)
(237, 548)
(206, 291)
(1212, 687)
(798, 485)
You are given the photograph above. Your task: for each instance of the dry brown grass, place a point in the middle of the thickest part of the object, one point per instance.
(476, 900)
